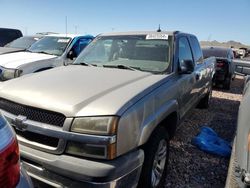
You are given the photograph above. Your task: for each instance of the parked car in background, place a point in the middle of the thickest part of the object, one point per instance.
(236, 53)
(242, 53)
(224, 64)
(49, 52)
(242, 66)
(246, 51)
(8, 35)
(12, 174)
(20, 44)
(106, 120)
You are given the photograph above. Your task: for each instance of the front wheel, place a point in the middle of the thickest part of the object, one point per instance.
(156, 151)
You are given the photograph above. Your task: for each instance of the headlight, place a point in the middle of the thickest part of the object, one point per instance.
(106, 125)
(89, 150)
(7, 74)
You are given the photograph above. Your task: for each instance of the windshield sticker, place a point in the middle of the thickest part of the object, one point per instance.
(36, 38)
(63, 40)
(157, 36)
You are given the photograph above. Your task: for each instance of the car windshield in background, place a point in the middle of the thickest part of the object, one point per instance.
(214, 52)
(22, 43)
(131, 52)
(51, 45)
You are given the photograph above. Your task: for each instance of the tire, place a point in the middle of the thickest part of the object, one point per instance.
(205, 101)
(157, 146)
(227, 83)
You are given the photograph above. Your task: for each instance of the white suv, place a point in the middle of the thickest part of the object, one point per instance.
(49, 52)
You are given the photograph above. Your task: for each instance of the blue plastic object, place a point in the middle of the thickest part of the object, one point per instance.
(210, 142)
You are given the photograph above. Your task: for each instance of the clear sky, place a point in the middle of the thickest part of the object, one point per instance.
(220, 20)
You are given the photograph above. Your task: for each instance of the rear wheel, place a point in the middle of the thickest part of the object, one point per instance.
(205, 101)
(154, 169)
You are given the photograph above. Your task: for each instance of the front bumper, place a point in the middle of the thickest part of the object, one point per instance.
(70, 171)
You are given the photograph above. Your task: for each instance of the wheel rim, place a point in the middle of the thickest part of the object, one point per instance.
(159, 163)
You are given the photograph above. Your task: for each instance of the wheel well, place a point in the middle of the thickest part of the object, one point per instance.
(170, 123)
(43, 69)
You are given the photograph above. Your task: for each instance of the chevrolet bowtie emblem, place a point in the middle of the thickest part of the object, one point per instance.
(19, 122)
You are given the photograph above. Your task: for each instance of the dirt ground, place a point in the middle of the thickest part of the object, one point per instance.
(191, 167)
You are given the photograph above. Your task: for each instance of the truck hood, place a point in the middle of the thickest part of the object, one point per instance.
(5, 50)
(78, 90)
(14, 60)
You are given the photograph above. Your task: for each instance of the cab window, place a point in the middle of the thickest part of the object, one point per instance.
(184, 50)
(196, 50)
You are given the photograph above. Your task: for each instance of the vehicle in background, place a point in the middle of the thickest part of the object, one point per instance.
(242, 53)
(239, 168)
(12, 174)
(106, 120)
(20, 44)
(224, 65)
(46, 33)
(236, 53)
(7, 35)
(49, 52)
(246, 51)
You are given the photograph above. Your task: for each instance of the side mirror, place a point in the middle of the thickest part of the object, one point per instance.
(71, 55)
(186, 66)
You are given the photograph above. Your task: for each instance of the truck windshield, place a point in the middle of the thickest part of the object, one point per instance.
(137, 52)
(50, 45)
(22, 43)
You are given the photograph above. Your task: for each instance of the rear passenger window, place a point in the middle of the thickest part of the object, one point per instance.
(184, 50)
(196, 50)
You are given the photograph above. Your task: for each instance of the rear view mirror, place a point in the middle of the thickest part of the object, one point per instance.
(71, 55)
(186, 66)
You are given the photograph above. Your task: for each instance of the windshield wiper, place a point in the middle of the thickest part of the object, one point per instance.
(43, 52)
(123, 67)
(84, 64)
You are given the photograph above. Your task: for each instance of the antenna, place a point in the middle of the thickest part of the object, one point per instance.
(159, 28)
(66, 25)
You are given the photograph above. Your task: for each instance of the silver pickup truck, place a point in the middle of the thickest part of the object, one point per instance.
(106, 120)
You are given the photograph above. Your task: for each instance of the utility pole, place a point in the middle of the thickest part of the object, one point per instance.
(26, 31)
(75, 29)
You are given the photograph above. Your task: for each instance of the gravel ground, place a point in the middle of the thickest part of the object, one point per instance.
(191, 167)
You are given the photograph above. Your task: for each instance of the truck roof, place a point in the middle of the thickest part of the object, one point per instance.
(65, 35)
(138, 33)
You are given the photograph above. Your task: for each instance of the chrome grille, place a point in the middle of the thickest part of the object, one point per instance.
(38, 138)
(35, 114)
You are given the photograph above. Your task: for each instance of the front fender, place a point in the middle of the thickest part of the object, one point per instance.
(154, 120)
(137, 124)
